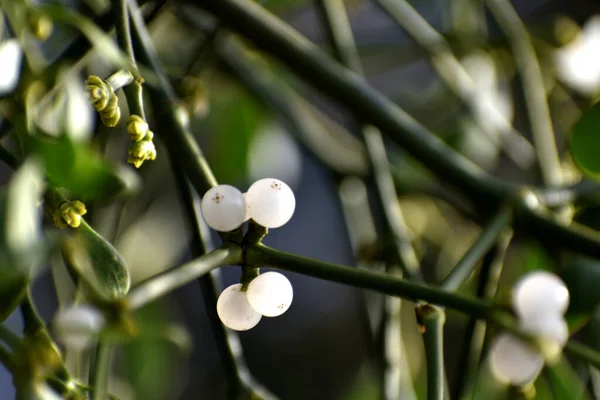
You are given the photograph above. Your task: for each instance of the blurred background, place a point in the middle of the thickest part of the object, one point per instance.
(323, 347)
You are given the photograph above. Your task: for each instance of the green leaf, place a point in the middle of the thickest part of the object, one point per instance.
(582, 277)
(584, 142)
(234, 118)
(152, 367)
(80, 170)
(97, 262)
(564, 382)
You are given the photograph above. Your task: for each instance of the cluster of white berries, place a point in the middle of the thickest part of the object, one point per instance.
(540, 300)
(269, 294)
(269, 202)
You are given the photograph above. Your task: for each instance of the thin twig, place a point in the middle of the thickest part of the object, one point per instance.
(489, 236)
(482, 309)
(172, 124)
(341, 39)
(459, 81)
(102, 370)
(472, 347)
(301, 56)
(167, 281)
(383, 283)
(533, 87)
(277, 38)
(433, 319)
(133, 91)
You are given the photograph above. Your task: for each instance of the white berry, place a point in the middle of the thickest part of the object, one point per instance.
(540, 292)
(223, 208)
(547, 326)
(513, 362)
(235, 311)
(78, 326)
(247, 216)
(271, 202)
(270, 294)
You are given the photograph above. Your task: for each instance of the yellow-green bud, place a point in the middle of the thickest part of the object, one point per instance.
(137, 128)
(140, 152)
(104, 100)
(99, 91)
(71, 212)
(58, 219)
(40, 26)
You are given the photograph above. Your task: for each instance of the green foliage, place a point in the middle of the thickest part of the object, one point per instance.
(81, 171)
(584, 142)
(87, 252)
(152, 364)
(236, 116)
(564, 382)
(582, 277)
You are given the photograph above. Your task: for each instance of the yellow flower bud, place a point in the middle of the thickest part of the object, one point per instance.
(140, 152)
(40, 26)
(137, 128)
(71, 212)
(104, 100)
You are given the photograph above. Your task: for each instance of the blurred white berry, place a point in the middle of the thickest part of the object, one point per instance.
(235, 311)
(78, 326)
(247, 216)
(270, 294)
(551, 330)
(271, 202)
(513, 362)
(540, 293)
(223, 208)
(548, 326)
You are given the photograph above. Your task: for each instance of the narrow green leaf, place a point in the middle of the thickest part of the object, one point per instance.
(564, 382)
(584, 142)
(97, 262)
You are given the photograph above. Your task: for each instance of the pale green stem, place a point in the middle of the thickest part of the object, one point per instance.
(467, 264)
(475, 332)
(533, 87)
(459, 81)
(433, 319)
(102, 371)
(342, 40)
(163, 283)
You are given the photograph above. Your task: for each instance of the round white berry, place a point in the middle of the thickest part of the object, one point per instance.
(247, 216)
(547, 326)
(270, 294)
(271, 202)
(223, 208)
(235, 311)
(77, 326)
(513, 362)
(540, 292)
